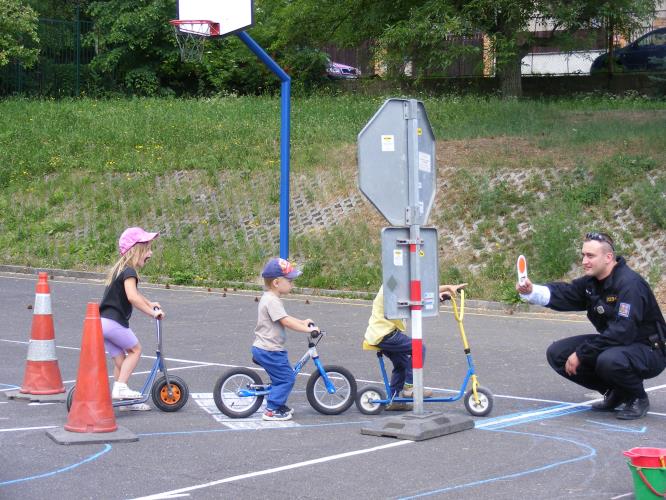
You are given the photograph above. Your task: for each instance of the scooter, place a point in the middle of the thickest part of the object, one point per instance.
(169, 392)
(478, 400)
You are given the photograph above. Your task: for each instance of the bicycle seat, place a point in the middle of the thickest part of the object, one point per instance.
(370, 347)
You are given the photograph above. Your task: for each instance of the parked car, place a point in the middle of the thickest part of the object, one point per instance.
(648, 53)
(338, 71)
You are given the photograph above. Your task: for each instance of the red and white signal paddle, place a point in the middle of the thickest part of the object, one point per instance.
(521, 267)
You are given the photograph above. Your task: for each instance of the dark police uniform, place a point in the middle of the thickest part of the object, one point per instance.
(624, 311)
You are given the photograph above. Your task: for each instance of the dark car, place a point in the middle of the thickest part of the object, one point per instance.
(648, 53)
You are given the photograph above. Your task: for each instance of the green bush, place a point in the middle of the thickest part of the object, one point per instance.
(554, 241)
(142, 82)
(650, 202)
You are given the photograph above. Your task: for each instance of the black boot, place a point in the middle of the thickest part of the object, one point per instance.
(635, 408)
(612, 399)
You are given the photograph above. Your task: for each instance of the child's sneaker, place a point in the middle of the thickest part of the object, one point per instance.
(398, 406)
(408, 392)
(275, 415)
(136, 407)
(121, 391)
(286, 409)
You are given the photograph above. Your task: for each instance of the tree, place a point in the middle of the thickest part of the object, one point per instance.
(416, 29)
(18, 33)
(135, 41)
(622, 17)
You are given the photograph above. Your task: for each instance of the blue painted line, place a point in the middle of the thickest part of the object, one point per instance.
(107, 448)
(592, 452)
(534, 418)
(311, 426)
(619, 428)
(489, 421)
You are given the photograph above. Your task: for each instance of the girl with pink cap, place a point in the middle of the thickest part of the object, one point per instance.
(120, 297)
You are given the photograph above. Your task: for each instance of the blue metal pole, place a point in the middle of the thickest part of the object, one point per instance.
(285, 127)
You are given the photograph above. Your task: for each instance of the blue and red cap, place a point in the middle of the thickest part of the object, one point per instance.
(280, 268)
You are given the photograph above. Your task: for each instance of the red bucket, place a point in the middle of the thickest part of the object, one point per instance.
(647, 457)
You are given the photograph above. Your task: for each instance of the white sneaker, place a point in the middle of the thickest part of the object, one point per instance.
(121, 391)
(136, 407)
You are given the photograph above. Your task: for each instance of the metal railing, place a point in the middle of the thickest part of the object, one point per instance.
(62, 67)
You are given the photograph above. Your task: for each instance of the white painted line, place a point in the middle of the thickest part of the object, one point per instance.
(169, 494)
(17, 429)
(623, 496)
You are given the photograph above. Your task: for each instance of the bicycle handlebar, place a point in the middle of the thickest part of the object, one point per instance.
(315, 332)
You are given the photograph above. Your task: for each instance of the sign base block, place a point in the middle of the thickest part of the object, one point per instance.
(120, 435)
(418, 427)
(53, 398)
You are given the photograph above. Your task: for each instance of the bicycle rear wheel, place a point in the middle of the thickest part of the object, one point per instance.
(343, 396)
(226, 393)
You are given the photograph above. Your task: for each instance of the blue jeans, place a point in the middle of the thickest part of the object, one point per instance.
(276, 364)
(397, 347)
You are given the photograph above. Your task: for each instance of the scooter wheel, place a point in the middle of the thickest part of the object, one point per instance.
(481, 408)
(366, 400)
(179, 393)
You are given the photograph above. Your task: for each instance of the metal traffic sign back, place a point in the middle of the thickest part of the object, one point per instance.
(396, 272)
(383, 162)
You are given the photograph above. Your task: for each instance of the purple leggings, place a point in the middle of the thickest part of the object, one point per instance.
(117, 338)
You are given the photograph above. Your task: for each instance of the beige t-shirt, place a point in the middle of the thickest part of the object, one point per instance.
(269, 333)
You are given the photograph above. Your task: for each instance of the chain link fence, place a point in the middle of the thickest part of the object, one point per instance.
(62, 69)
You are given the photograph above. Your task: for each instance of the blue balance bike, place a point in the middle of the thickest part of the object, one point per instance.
(169, 393)
(330, 390)
(478, 400)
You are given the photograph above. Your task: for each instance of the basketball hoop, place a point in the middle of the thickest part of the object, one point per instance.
(192, 36)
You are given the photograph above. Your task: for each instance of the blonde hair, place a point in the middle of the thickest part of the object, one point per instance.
(131, 258)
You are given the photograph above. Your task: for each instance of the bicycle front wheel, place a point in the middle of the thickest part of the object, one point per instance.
(226, 393)
(344, 393)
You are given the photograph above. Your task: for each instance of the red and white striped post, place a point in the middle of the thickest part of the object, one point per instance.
(415, 308)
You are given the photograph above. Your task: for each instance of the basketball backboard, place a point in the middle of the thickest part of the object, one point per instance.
(231, 15)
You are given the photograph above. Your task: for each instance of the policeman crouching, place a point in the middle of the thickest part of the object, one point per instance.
(630, 346)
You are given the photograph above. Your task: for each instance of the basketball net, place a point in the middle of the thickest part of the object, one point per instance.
(192, 36)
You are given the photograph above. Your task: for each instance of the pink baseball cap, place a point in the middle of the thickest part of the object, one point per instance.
(133, 235)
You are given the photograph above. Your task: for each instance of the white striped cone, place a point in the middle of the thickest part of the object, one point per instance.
(42, 374)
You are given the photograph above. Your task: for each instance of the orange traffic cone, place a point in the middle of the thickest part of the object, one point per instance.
(91, 409)
(42, 374)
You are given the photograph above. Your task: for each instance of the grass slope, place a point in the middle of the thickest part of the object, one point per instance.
(513, 177)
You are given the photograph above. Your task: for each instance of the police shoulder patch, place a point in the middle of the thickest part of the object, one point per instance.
(624, 310)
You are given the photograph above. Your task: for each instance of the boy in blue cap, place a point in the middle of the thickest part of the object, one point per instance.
(268, 349)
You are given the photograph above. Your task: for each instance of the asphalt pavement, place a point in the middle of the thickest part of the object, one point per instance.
(541, 439)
